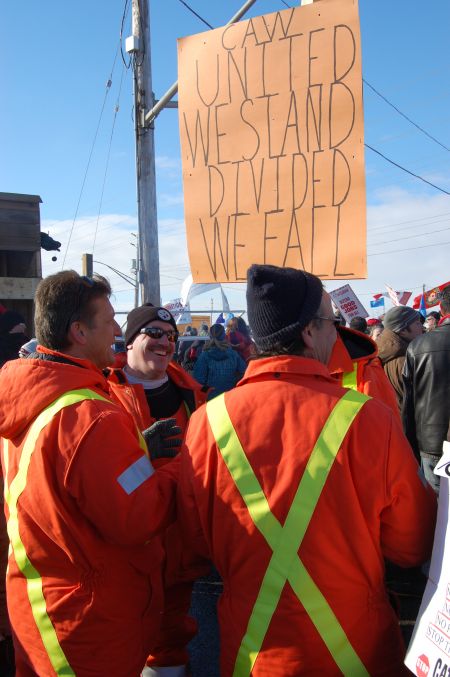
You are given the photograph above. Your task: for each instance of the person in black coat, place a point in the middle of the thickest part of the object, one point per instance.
(426, 403)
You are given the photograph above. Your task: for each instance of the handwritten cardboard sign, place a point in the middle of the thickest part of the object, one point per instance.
(271, 127)
(429, 649)
(348, 303)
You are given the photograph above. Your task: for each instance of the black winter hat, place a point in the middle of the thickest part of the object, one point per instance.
(141, 316)
(280, 302)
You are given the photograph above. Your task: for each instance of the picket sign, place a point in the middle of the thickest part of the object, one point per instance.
(429, 650)
(348, 304)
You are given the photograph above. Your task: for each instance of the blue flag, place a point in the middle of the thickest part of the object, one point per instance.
(422, 307)
(377, 303)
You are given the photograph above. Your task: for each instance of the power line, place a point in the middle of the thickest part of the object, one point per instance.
(418, 225)
(400, 223)
(108, 155)
(196, 14)
(421, 129)
(407, 237)
(406, 170)
(124, 15)
(410, 249)
(108, 88)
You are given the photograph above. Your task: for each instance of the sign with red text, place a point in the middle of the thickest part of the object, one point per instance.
(271, 129)
(176, 306)
(348, 303)
(430, 644)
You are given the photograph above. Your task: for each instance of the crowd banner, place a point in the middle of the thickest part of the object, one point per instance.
(272, 145)
(348, 303)
(429, 650)
(431, 297)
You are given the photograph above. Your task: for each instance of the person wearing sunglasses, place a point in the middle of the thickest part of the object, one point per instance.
(296, 488)
(152, 387)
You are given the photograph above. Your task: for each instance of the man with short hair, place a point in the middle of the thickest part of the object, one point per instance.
(297, 488)
(402, 325)
(426, 379)
(82, 497)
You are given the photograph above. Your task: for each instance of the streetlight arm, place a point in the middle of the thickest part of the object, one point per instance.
(163, 101)
(122, 275)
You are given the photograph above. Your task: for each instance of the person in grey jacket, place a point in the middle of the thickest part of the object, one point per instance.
(218, 367)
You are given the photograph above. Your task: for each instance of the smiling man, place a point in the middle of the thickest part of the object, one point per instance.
(153, 387)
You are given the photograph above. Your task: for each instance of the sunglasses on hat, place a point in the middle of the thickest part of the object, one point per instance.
(157, 333)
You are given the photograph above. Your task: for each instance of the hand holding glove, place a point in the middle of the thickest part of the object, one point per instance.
(160, 439)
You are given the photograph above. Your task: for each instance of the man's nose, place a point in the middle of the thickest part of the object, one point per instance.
(164, 340)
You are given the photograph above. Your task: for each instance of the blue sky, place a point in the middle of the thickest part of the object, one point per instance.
(57, 57)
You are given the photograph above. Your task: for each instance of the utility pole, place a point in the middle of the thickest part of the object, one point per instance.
(87, 265)
(146, 110)
(148, 253)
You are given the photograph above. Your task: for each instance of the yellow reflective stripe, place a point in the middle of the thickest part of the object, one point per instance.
(142, 443)
(49, 638)
(285, 541)
(350, 378)
(5, 449)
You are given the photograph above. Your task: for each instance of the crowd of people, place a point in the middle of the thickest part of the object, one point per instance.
(236, 517)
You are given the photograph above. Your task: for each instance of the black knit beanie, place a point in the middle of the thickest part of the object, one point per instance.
(280, 302)
(141, 316)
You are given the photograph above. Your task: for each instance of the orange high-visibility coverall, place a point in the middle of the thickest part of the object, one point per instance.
(373, 505)
(89, 504)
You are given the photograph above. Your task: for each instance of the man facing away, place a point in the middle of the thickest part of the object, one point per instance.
(402, 325)
(426, 379)
(296, 488)
(82, 497)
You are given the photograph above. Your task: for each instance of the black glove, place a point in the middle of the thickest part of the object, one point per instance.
(160, 439)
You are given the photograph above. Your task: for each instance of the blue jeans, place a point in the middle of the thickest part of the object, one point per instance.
(428, 464)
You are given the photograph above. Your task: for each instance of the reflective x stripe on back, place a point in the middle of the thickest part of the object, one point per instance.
(33, 579)
(350, 378)
(285, 540)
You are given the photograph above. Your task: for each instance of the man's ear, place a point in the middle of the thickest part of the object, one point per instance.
(307, 336)
(76, 334)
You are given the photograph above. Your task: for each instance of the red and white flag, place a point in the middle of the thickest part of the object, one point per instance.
(398, 298)
(430, 297)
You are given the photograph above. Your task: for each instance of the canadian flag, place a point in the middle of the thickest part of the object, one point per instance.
(398, 298)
